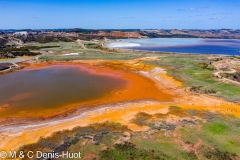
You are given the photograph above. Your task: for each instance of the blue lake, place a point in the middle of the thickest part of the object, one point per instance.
(180, 45)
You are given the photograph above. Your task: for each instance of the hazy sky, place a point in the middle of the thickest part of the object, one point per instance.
(120, 14)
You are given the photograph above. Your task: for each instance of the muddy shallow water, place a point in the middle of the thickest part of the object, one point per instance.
(56, 86)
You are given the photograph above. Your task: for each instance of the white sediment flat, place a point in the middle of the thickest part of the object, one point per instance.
(71, 54)
(122, 44)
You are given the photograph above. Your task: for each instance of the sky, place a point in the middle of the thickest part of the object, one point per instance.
(120, 14)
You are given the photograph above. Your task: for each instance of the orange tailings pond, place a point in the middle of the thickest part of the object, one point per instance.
(55, 89)
(46, 91)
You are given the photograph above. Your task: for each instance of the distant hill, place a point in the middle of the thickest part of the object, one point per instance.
(70, 35)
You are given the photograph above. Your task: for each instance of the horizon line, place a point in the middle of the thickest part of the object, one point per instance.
(119, 29)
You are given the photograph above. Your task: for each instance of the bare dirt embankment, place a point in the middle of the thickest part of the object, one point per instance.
(148, 86)
(119, 34)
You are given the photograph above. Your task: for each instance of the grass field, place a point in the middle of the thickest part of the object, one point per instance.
(186, 69)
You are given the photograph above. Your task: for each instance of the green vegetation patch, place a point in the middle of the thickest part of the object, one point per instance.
(219, 155)
(222, 134)
(227, 91)
(128, 151)
(214, 137)
(24, 51)
(93, 46)
(217, 128)
(141, 118)
(90, 55)
(196, 72)
(63, 140)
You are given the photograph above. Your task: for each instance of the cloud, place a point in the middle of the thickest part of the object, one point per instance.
(34, 17)
(128, 17)
(171, 19)
(145, 21)
(198, 15)
(199, 21)
(192, 9)
(225, 13)
(167, 17)
(213, 17)
(204, 7)
(181, 10)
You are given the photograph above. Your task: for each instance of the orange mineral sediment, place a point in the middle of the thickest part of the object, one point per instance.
(123, 115)
(149, 90)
